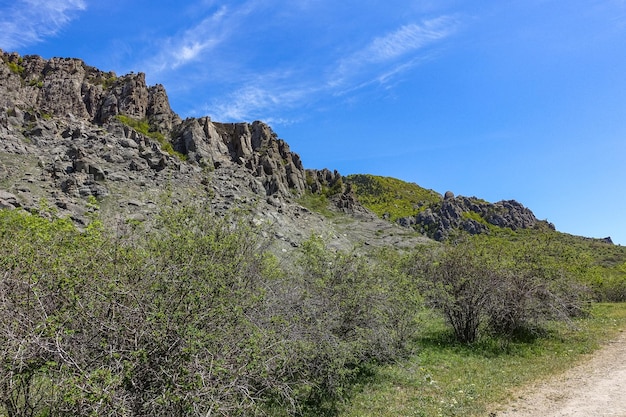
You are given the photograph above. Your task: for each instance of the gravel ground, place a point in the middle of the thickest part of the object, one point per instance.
(594, 388)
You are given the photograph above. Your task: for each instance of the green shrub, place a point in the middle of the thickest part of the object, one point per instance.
(191, 317)
(478, 286)
(455, 281)
(16, 68)
(35, 83)
(143, 127)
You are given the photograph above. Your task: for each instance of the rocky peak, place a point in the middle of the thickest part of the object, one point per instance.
(471, 215)
(67, 87)
(62, 97)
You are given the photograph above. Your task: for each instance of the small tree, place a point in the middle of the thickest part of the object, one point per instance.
(456, 282)
(507, 290)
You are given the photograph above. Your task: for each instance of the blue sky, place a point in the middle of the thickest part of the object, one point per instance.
(521, 100)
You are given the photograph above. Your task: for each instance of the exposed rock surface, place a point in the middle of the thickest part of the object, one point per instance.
(471, 215)
(70, 133)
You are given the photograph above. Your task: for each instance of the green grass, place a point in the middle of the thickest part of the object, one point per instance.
(391, 197)
(143, 127)
(450, 379)
(317, 203)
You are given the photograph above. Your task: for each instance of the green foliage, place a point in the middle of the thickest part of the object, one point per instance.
(194, 316)
(390, 196)
(16, 68)
(336, 188)
(36, 83)
(472, 215)
(108, 82)
(510, 291)
(317, 203)
(191, 317)
(348, 314)
(143, 127)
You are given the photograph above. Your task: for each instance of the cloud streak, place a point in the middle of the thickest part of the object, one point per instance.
(380, 62)
(396, 46)
(220, 51)
(269, 95)
(191, 44)
(26, 22)
(408, 38)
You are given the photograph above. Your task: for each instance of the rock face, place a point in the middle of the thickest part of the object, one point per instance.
(254, 146)
(471, 215)
(73, 111)
(73, 138)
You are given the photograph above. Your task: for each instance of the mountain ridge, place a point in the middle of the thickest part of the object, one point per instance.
(83, 133)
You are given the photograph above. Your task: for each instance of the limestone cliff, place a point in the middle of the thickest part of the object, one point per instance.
(70, 132)
(73, 138)
(471, 215)
(43, 101)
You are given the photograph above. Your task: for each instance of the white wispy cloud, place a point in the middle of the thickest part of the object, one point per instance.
(258, 102)
(189, 45)
(25, 22)
(398, 46)
(214, 51)
(381, 62)
(408, 38)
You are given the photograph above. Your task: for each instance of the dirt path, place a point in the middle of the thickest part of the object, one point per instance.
(595, 388)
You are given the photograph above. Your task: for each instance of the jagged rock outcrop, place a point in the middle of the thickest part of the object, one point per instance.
(471, 215)
(320, 180)
(46, 102)
(70, 133)
(67, 87)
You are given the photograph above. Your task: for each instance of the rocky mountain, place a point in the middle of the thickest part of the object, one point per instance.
(471, 215)
(72, 135)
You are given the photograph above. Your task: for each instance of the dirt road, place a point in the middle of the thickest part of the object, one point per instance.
(594, 388)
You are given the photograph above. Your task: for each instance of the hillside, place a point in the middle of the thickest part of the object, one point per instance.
(70, 132)
(151, 265)
(72, 135)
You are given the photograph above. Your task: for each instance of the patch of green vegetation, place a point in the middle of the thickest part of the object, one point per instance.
(16, 68)
(194, 304)
(35, 83)
(446, 378)
(144, 127)
(109, 81)
(391, 197)
(317, 203)
(200, 299)
(472, 215)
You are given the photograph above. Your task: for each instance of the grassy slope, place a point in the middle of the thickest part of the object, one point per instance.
(397, 198)
(390, 196)
(447, 379)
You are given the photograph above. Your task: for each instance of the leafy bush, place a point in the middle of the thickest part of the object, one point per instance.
(481, 286)
(341, 314)
(455, 282)
(192, 317)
